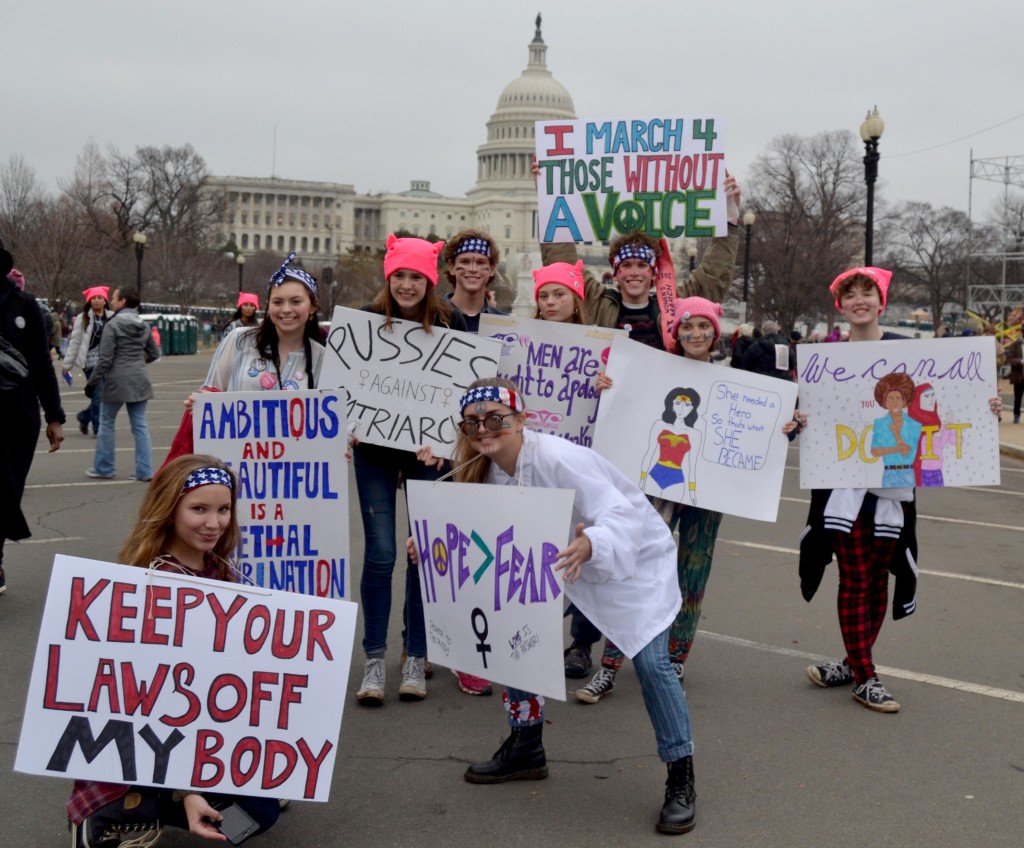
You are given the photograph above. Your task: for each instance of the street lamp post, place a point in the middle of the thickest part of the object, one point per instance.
(748, 224)
(140, 250)
(241, 265)
(870, 131)
(691, 251)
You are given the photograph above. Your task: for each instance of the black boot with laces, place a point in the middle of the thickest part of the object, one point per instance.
(678, 815)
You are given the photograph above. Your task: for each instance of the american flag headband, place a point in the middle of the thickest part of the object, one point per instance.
(498, 394)
(634, 251)
(474, 245)
(284, 272)
(206, 477)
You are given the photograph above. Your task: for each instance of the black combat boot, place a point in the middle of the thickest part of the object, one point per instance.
(521, 757)
(678, 815)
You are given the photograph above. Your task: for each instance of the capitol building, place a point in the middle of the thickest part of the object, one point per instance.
(323, 221)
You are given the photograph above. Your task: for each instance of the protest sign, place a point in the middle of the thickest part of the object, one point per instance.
(491, 598)
(288, 450)
(404, 384)
(555, 366)
(695, 433)
(170, 680)
(663, 175)
(930, 425)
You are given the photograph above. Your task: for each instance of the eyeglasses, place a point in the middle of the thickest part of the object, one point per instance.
(492, 423)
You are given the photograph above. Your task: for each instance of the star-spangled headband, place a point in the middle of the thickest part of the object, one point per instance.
(499, 394)
(206, 477)
(474, 245)
(284, 272)
(634, 251)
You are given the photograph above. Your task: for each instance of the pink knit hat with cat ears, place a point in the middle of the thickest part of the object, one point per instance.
(570, 276)
(879, 276)
(246, 297)
(693, 307)
(413, 254)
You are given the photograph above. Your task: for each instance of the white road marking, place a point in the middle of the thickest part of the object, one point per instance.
(903, 674)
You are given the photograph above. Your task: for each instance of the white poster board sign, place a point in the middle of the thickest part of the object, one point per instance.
(555, 366)
(929, 426)
(662, 175)
(696, 433)
(288, 450)
(169, 680)
(492, 600)
(404, 384)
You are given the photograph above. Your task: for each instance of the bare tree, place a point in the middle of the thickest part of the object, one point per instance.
(928, 248)
(51, 253)
(20, 199)
(809, 200)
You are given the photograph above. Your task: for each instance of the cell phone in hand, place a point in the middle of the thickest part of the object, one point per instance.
(237, 825)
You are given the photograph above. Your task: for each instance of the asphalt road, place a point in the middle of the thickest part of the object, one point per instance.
(779, 762)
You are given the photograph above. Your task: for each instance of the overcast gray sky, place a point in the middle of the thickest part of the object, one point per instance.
(379, 93)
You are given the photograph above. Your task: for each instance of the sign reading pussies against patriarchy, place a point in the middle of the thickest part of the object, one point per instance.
(288, 450)
(491, 597)
(555, 366)
(899, 413)
(696, 433)
(171, 680)
(664, 175)
(404, 384)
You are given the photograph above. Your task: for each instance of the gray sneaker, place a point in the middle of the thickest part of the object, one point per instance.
(603, 683)
(371, 693)
(677, 667)
(836, 673)
(414, 680)
(873, 695)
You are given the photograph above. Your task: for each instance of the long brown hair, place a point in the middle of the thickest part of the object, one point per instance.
(434, 309)
(154, 528)
(475, 466)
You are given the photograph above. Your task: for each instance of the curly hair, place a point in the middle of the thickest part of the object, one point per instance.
(894, 383)
(635, 237)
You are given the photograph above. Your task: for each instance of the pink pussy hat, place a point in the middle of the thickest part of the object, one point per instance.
(97, 291)
(879, 276)
(413, 254)
(694, 307)
(570, 276)
(17, 278)
(245, 297)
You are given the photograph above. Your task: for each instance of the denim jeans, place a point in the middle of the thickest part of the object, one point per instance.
(91, 414)
(377, 472)
(103, 460)
(663, 697)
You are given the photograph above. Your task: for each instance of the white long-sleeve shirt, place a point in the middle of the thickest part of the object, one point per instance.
(628, 589)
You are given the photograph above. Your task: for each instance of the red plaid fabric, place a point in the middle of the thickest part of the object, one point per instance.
(87, 796)
(863, 590)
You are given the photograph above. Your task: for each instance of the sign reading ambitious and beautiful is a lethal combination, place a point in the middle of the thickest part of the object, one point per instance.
(170, 680)
(662, 175)
(288, 450)
(404, 383)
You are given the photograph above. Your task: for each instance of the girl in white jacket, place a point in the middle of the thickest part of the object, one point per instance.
(619, 571)
(83, 350)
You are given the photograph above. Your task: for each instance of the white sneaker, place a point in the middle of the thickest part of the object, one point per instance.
(414, 680)
(371, 693)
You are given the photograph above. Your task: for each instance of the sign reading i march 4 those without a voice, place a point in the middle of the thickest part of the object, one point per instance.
(171, 680)
(696, 433)
(899, 413)
(492, 599)
(288, 450)
(404, 383)
(555, 366)
(663, 175)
